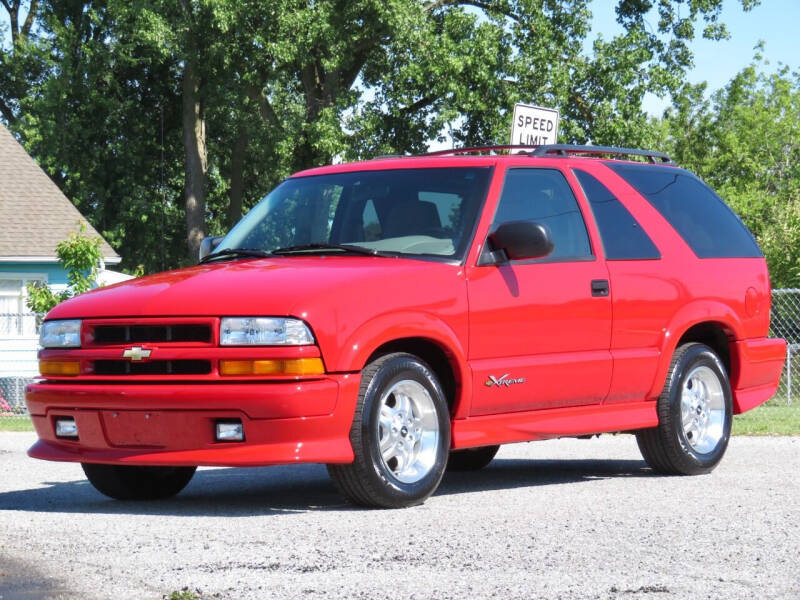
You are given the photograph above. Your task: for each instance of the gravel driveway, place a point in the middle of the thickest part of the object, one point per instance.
(558, 519)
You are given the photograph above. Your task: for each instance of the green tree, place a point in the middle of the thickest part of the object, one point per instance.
(745, 142)
(164, 119)
(80, 256)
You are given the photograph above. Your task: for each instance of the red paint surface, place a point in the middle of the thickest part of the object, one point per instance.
(590, 364)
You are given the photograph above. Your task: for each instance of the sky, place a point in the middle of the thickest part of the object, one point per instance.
(774, 22)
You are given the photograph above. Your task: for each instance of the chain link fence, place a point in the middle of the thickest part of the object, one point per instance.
(785, 323)
(12, 396)
(19, 343)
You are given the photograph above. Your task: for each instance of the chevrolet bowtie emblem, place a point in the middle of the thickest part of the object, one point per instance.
(136, 353)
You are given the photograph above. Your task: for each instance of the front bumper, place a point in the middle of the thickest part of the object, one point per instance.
(172, 425)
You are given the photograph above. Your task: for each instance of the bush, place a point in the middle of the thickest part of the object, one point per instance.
(80, 257)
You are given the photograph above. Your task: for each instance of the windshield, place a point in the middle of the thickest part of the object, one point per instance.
(425, 212)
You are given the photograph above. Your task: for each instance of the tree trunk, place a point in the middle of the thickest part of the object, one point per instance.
(13, 18)
(237, 178)
(194, 142)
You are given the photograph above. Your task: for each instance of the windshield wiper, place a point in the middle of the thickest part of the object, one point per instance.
(237, 252)
(309, 248)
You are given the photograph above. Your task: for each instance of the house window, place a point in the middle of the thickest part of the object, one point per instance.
(16, 319)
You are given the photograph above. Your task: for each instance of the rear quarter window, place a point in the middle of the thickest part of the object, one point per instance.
(703, 220)
(623, 237)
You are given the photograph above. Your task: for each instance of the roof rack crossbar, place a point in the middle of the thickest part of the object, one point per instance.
(567, 149)
(475, 149)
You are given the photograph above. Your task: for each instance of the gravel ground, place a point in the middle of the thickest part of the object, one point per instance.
(558, 519)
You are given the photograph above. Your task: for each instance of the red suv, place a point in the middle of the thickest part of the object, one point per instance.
(390, 318)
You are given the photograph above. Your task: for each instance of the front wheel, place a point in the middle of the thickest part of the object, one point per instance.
(124, 482)
(694, 415)
(400, 435)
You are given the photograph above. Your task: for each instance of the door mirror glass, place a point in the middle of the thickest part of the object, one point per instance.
(208, 245)
(522, 240)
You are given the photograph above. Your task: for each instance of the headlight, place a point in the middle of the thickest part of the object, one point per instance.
(263, 331)
(60, 334)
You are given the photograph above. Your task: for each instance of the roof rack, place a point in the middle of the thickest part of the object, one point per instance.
(561, 150)
(567, 149)
(477, 149)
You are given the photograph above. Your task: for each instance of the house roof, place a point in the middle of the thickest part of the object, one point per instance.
(34, 214)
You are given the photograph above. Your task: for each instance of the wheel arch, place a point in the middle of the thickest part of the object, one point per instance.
(435, 356)
(713, 334)
(421, 334)
(711, 323)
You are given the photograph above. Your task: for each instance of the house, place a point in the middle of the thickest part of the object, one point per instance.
(34, 217)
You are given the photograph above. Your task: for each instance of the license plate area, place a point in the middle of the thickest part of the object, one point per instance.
(135, 429)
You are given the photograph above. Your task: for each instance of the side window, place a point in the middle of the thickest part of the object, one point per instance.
(544, 196)
(623, 237)
(703, 220)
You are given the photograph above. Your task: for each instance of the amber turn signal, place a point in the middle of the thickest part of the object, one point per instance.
(59, 368)
(289, 366)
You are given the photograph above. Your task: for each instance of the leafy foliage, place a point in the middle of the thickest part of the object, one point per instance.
(165, 119)
(80, 256)
(745, 142)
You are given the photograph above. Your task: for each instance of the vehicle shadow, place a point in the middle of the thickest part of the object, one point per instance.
(514, 473)
(301, 488)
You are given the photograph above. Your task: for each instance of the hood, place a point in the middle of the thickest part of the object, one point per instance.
(248, 287)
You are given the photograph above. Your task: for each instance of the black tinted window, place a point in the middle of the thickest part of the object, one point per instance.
(544, 196)
(704, 221)
(623, 237)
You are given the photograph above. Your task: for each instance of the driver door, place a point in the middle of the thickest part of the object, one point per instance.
(540, 330)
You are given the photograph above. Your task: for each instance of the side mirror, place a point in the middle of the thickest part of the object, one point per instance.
(519, 240)
(208, 245)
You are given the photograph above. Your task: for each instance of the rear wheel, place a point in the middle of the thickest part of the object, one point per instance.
(123, 482)
(400, 435)
(471, 459)
(694, 415)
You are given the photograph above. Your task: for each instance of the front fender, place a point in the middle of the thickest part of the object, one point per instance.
(694, 313)
(356, 349)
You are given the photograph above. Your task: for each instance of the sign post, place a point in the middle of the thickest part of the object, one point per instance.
(534, 125)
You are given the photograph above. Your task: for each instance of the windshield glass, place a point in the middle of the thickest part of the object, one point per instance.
(426, 212)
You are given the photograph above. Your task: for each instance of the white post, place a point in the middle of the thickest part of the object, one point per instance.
(789, 374)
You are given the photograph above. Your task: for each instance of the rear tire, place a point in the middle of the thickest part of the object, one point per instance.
(694, 415)
(471, 459)
(400, 435)
(123, 482)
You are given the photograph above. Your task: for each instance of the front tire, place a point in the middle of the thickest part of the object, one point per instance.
(400, 435)
(694, 415)
(123, 482)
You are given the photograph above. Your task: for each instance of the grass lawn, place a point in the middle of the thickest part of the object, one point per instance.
(15, 424)
(770, 419)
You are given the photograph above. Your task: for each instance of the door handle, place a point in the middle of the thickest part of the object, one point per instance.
(600, 287)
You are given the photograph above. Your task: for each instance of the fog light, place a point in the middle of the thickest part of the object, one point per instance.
(66, 428)
(230, 431)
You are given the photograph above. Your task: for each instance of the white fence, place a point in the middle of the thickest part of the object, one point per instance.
(19, 334)
(19, 342)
